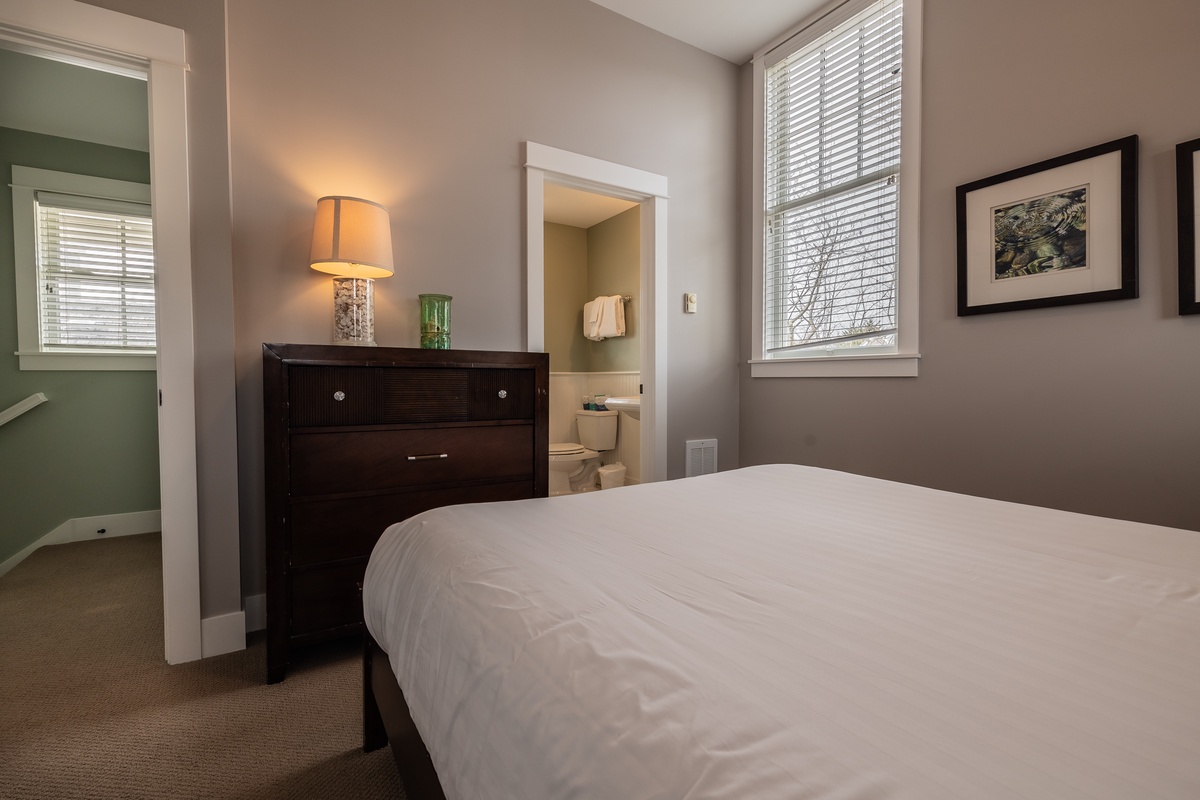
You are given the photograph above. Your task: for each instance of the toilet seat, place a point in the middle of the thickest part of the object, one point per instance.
(566, 449)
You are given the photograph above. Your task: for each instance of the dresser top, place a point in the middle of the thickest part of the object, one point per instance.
(353, 355)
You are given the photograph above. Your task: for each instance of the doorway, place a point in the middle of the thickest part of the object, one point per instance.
(90, 36)
(547, 165)
(592, 255)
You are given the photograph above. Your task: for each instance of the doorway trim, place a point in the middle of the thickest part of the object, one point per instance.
(550, 165)
(104, 39)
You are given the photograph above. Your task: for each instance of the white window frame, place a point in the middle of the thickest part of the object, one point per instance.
(900, 361)
(26, 183)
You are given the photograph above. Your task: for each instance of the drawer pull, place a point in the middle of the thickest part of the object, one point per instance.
(429, 457)
(339, 396)
(502, 394)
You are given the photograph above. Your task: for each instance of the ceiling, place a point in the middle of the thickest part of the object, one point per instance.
(731, 29)
(578, 209)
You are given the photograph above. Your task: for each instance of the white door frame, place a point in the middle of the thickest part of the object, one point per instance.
(549, 165)
(101, 38)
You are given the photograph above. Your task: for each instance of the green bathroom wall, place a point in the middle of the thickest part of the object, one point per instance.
(92, 449)
(580, 265)
(614, 267)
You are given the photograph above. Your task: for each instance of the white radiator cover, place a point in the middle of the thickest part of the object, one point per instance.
(701, 456)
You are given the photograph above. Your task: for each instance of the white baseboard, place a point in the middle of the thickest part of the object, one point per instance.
(223, 634)
(82, 528)
(256, 612)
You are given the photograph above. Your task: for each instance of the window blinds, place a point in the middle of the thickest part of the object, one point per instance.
(95, 274)
(832, 166)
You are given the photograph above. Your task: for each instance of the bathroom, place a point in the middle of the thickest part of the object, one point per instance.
(592, 250)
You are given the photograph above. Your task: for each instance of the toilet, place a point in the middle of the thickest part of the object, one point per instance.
(573, 465)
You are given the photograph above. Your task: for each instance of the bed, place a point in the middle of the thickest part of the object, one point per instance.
(784, 632)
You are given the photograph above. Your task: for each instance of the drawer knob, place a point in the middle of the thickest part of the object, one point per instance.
(502, 394)
(339, 396)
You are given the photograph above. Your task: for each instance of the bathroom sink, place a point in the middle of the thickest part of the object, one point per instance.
(630, 405)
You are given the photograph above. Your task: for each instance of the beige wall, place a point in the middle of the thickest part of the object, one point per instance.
(203, 21)
(423, 107)
(614, 267)
(1090, 408)
(566, 270)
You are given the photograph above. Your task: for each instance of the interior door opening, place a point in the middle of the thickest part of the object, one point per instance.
(97, 38)
(550, 166)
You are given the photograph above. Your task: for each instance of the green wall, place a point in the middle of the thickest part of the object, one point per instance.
(93, 448)
(614, 267)
(581, 265)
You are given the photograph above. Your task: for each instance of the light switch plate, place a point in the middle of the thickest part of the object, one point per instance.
(689, 303)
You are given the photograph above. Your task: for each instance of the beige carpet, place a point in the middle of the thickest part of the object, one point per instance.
(90, 709)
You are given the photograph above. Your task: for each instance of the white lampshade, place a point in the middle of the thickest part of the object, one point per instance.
(352, 238)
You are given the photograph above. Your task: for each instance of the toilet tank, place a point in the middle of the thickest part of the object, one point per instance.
(597, 429)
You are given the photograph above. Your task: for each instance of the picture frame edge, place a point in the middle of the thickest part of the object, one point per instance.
(1127, 147)
(1185, 189)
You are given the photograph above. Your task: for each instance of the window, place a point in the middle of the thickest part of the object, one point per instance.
(95, 274)
(85, 271)
(836, 275)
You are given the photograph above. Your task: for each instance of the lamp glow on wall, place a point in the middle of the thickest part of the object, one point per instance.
(352, 239)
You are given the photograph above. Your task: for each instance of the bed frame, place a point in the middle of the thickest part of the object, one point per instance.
(386, 720)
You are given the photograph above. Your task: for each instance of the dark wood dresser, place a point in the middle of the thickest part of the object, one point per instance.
(358, 438)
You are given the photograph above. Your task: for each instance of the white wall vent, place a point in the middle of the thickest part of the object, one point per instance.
(701, 456)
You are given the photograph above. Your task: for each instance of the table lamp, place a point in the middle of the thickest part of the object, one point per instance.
(352, 240)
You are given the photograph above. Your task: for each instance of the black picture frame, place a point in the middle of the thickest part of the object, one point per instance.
(1187, 155)
(1059, 232)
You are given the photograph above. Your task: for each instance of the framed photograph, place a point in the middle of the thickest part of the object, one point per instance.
(1187, 157)
(1059, 232)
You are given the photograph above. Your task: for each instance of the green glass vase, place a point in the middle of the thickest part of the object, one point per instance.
(435, 321)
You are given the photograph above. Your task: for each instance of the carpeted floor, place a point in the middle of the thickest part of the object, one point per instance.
(90, 709)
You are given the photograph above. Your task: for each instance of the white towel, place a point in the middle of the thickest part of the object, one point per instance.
(604, 318)
(612, 317)
(591, 320)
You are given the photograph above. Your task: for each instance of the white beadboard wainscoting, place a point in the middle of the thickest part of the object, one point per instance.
(566, 397)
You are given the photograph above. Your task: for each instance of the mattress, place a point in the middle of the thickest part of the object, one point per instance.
(789, 632)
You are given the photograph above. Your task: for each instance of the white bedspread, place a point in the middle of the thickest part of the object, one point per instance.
(788, 632)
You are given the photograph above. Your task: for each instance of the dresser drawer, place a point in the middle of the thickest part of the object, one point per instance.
(324, 396)
(502, 394)
(359, 461)
(328, 530)
(326, 597)
(333, 396)
(424, 395)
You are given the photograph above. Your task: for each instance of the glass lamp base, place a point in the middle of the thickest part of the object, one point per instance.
(354, 311)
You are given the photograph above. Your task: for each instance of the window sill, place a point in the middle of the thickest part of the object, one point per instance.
(83, 362)
(892, 365)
